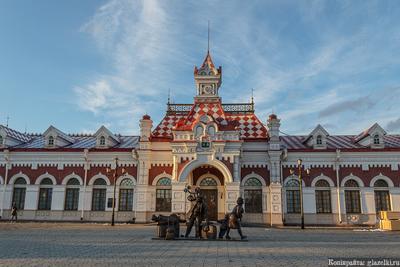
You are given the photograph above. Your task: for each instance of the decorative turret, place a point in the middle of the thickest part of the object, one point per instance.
(145, 128)
(273, 125)
(208, 78)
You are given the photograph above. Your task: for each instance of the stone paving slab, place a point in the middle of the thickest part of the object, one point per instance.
(62, 244)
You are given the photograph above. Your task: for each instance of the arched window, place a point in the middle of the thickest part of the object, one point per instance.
(351, 183)
(376, 140)
(126, 195)
(19, 193)
(163, 195)
(208, 182)
(1, 140)
(211, 130)
(253, 182)
(319, 140)
(99, 195)
(382, 196)
(253, 195)
(72, 194)
(45, 194)
(352, 197)
(199, 131)
(323, 197)
(100, 181)
(102, 141)
(50, 141)
(293, 196)
(164, 182)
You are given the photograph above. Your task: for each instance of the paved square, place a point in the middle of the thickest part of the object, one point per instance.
(51, 244)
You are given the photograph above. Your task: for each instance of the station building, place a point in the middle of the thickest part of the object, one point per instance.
(223, 148)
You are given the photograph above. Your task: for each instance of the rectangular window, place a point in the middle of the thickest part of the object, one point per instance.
(99, 200)
(382, 201)
(253, 200)
(71, 199)
(19, 198)
(353, 204)
(323, 201)
(125, 200)
(163, 200)
(293, 201)
(45, 195)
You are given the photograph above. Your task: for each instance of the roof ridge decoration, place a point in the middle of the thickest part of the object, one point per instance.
(18, 136)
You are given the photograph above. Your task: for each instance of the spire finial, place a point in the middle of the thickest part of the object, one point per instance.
(8, 119)
(208, 39)
(252, 95)
(169, 96)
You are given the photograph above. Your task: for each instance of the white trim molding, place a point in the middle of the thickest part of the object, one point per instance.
(383, 177)
(18, 175)
(126, 176)
(322, 177)
(70, 176)
(355, 178)
(161, 175)
(251, 175)
(46, 175)
(99, 175)
(292, 177)
(208, 175)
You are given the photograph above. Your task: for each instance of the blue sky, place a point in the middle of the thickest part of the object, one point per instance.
(81, 64)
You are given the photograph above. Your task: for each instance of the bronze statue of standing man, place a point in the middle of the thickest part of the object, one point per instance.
(197, 213)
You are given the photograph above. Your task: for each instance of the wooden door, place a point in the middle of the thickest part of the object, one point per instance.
(211, 200)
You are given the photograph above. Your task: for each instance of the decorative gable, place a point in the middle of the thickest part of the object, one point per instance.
(56, 138)
(317, 138)
(372, 137)
(105, 139)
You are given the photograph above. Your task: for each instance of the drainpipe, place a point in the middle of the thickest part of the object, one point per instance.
(338, 184)
(7, 160)
(86, 166)
(135, 157)
(283, 158)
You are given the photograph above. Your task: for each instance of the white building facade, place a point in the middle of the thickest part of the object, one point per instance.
(224, 149)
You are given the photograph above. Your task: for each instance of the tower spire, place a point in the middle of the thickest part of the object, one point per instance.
(208, 38)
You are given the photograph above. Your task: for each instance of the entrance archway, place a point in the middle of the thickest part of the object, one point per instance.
(209, 185)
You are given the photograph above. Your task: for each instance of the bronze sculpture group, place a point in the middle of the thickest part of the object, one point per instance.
(198, 217)
(198, 214)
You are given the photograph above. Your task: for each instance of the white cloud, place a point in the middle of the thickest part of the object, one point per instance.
(298, 69)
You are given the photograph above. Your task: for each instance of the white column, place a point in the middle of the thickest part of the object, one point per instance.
(58, 197)
(231, 195)
(309, 200)
(178, 197)
(395, 198)
(31, 197)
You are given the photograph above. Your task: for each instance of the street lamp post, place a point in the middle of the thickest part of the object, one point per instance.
(299, 168)
(115, 188)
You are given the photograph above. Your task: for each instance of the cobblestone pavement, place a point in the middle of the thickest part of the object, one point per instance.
(52, 244)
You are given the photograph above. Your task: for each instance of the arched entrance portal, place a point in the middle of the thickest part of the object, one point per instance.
(211, 181)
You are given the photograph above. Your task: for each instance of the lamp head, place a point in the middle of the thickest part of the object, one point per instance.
(291, 171)
(299, 161)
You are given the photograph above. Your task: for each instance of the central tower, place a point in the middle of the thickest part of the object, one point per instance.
(208, 79)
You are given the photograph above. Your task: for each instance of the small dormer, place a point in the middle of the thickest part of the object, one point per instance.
(105, 139)
(317, 138)
(55, 138)
(372, 137)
